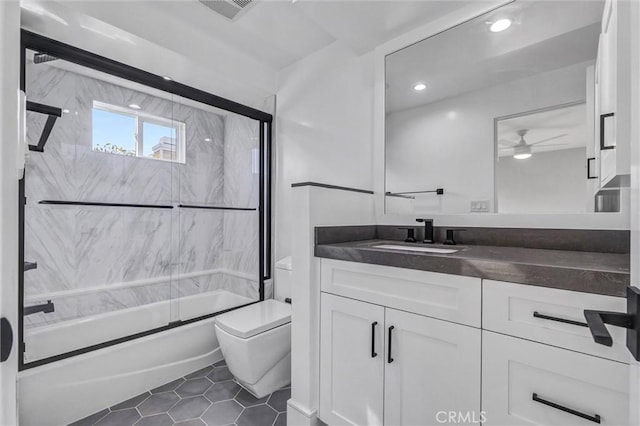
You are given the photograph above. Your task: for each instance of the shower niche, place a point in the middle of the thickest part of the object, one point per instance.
(147, 207)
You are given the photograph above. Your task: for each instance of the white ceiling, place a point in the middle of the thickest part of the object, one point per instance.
(544, 36)
(273, 33)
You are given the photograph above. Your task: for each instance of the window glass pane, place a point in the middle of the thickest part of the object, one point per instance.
(159, 141)
(113, 132)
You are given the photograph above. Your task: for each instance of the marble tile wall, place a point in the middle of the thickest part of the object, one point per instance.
(82, 247)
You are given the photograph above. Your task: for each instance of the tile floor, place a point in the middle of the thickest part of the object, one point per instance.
(206, 397)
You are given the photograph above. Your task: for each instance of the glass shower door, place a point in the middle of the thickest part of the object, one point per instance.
(218, 215)
(99, 212)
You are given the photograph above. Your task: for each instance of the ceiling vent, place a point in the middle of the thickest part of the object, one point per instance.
(230, 9)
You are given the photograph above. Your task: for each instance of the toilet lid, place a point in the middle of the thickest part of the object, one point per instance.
(251, 320)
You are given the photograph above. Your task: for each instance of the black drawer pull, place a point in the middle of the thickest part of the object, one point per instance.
(389, 358)
(595, 419)
(373, 339)
(566, 321)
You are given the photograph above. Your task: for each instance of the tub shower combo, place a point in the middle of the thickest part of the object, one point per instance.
(144, 214)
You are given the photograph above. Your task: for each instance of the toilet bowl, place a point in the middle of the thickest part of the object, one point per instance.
(256, 340)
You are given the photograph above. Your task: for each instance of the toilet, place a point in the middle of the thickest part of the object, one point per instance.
(256, 340)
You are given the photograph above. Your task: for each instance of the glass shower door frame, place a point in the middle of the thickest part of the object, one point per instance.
(96, 62)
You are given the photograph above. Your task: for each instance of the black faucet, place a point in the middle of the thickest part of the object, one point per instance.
(428, 230)
(411, 235)
(449, 240)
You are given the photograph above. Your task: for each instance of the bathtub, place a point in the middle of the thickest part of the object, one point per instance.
(64, 391)
(66, 336)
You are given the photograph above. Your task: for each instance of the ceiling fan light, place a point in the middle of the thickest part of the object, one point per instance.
(522, 152)
(522, 156)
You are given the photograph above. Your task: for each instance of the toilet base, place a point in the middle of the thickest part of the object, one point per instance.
(276, 378)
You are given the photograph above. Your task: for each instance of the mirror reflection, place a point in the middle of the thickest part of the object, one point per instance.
(501, 114)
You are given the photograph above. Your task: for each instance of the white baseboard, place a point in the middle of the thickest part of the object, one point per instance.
(297, 415)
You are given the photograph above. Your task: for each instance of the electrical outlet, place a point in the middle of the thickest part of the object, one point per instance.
(480, 206)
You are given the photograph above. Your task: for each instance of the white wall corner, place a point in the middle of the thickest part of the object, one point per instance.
(313, 207)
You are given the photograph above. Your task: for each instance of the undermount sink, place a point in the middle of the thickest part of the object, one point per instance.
(421, 249)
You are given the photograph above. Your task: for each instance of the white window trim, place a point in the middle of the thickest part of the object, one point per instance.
(144, 117)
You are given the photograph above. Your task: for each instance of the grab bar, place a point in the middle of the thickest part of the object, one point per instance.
(46, 308)
(438, 191)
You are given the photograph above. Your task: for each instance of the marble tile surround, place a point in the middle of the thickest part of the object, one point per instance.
(83, 247)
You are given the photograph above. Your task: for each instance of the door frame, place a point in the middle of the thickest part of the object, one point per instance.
(634, 367)
(9, 138)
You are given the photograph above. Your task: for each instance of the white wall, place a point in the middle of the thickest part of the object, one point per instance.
(450, 144)
(546, 182)
(323, 128)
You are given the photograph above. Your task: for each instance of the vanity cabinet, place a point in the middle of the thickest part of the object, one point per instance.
(407, 347)
(379, 365)
(528, 383)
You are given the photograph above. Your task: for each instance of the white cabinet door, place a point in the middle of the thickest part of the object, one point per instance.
(351, 361)
(435, 370)
(528, 383)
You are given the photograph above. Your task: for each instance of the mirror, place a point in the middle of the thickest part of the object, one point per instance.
(499, 114)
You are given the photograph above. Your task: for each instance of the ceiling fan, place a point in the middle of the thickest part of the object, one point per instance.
(522, 149)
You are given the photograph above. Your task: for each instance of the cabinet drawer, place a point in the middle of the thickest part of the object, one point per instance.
(449, 297)
(535, 313)
(577, 385)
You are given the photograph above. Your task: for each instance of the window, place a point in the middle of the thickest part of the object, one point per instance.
(128, 131)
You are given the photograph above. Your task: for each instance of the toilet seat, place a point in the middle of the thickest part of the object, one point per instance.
(255, 319)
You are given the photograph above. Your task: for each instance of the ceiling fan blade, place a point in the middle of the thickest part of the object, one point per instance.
(553, 144)
(549, 139)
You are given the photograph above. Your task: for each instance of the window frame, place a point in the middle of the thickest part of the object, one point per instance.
(142, 117)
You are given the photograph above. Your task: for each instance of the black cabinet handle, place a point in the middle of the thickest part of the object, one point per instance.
(595, 418)
(563, 320)
(389, 358)
(373, 339)
(589, 175)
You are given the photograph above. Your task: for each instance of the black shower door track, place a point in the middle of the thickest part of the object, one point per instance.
(66, 52)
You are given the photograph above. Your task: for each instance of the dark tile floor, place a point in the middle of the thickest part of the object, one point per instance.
(207, 397)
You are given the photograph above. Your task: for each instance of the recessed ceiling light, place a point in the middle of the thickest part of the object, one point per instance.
(134, 106)
(419, 86)
(65, 111)
(500, 25)
(166, 77)
(207, 139)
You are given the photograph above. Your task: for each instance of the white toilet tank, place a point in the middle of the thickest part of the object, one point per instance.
(283, 279)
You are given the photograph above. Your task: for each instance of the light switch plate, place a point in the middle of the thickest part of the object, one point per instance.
(480, 206)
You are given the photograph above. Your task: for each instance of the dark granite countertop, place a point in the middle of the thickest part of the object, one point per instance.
(592, 272)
